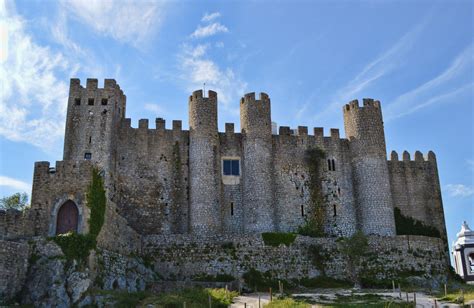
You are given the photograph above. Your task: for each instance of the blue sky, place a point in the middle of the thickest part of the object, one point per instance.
(311, 57)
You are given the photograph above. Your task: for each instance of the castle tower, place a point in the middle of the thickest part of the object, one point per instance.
(93, 116)
(255, 121)
(365, 131)
(203, 163)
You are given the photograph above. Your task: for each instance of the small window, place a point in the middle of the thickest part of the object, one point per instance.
(329, 164)
(77, 101)
(90, 139)
(302, 210)
(231, 167)
(232, 209)
(335, 211)
(333, 165)
(87, 156)
(104, 101)
(91, 101)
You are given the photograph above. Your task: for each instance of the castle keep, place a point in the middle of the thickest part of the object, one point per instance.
(202, 181)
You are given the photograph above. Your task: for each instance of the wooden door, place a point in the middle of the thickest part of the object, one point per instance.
(67, 219)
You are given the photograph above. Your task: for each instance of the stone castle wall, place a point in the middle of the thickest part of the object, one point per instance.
(170, 181)
(186, 256)
(416, 190)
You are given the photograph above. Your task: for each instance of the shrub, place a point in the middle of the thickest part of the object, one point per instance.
(409, 226)
(277, 238)
(75, 246)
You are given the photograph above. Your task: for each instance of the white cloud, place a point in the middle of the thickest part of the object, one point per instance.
(33, 98)
(15, 184)
(209, 30)
(210, 17)
(197, 68)
(426, 95)
(459, 190)
(379, 67)
(126, 21)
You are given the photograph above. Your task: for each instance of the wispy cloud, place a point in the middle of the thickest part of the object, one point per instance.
(198, 67)
(15, 184)
(126, 20)
(459, 190)
(385, 63)
(155, 108)
(209, 30)
(434, 90)
(34, 95)
(210, 17)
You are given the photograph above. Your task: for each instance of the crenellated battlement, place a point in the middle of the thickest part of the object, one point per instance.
(199, 94)
(250, 98)
(366, 103)
(62, 168)
(418, 157)
(92, 84)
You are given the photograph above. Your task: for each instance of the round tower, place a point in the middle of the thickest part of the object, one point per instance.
(365, 131)
(203, 163)
(257, 169)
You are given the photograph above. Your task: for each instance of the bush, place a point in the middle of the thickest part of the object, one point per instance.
(75, 246)
(196, 297)
(409, 226)
(277, 238)
(324, 282)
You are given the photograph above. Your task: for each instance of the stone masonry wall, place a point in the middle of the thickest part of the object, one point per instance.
(187, 257)
(13, 267)
(416, 190)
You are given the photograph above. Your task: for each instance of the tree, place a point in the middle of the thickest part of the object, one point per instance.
(354, 248)
(17, 201)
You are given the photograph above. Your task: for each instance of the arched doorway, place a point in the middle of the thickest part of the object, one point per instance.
(67, 218)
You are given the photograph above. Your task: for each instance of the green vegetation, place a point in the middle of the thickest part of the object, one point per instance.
(96, 202)
(277, 238)
(314, 225)
(408, 226)
(286, 303)
(192, 297)
(17, 201)
(77, 246)
(262, 281)
(216, 278)
(459, 295)
(323, 282)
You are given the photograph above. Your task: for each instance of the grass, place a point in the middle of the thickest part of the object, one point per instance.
(287, 302)
(457, 296)
(196, 297)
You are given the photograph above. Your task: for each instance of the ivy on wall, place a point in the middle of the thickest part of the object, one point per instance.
(77, 246)
(314, 225)
(409, 226)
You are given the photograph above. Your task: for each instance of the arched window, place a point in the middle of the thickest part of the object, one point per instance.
(67, 218)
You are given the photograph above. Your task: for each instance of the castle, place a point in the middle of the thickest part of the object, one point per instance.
(202, 181)
(197, 203)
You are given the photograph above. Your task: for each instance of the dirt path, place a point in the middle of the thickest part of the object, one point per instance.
(422, 300)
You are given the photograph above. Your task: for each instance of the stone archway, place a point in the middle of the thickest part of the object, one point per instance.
(67, 218)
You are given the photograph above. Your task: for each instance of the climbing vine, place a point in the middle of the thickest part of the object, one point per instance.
(409, 226)
(77, 246)
(314, 225)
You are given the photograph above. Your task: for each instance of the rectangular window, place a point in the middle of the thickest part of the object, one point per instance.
(87, 156)
(91, 101)
(77, 101)
(231, 167)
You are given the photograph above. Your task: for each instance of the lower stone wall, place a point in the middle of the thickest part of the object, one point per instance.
(13, 267)
(184, 257)
(11, 224)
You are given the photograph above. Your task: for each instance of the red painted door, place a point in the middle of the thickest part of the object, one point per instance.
(67, 218)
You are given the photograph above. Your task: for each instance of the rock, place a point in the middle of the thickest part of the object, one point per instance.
(77, 284)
